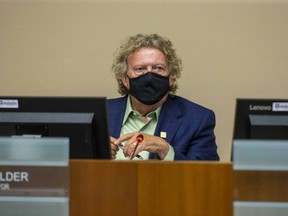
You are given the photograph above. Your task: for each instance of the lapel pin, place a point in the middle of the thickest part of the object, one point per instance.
(163, 134)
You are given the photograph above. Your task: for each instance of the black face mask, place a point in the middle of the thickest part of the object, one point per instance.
(149, 88)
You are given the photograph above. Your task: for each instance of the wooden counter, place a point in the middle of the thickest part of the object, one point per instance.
(150, 188)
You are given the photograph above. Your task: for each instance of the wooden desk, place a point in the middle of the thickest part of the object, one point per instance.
(150, 188)
(260, 186)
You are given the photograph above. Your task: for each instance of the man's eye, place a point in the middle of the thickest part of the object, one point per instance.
(159, 69)
(140, 70)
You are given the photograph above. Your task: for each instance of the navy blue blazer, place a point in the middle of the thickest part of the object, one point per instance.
(189, 127)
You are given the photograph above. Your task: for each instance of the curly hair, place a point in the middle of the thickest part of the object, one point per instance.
(134, 43)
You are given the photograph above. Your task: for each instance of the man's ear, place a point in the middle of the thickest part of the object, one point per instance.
(125, 81)
(171, 81)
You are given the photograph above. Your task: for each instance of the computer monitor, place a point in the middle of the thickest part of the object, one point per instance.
(261, 119)
(82, 119)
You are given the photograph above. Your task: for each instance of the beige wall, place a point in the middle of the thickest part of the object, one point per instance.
(230, 49)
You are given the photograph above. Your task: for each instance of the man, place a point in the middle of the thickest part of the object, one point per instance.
(170, 127)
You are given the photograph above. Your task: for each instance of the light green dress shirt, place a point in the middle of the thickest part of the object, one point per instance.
(133, 122)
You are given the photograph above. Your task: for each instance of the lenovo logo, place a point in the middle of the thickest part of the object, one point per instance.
(259, 108)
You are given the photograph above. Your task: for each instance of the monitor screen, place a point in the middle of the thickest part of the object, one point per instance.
(261, 119)
(82, 119)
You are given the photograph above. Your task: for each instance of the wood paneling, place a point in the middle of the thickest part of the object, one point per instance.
(102, 188)
(185, 189)
(261, 186)
(150, 188)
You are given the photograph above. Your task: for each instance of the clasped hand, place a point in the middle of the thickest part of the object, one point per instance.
(152, 144)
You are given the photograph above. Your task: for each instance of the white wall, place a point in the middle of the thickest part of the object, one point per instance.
(230, 49)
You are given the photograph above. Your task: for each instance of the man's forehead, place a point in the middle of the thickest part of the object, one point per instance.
(147, 56)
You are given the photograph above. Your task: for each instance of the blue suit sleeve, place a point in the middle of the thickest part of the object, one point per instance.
(199, 144)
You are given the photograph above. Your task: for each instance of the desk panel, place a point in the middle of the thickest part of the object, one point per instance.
(261, 186)
(185, 188)
(102, 188)
(150, 188)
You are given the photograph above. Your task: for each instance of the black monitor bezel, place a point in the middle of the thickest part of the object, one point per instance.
(242, 125)
(244, 108)
(71, 104)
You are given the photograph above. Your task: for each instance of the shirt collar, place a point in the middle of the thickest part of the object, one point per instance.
(129, 110)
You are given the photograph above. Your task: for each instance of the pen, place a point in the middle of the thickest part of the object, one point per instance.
(137, 156)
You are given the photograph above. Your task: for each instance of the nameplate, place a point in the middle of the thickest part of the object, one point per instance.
(33, 181)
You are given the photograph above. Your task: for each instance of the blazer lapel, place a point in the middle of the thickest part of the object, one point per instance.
(116, 114)
(169, 121)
